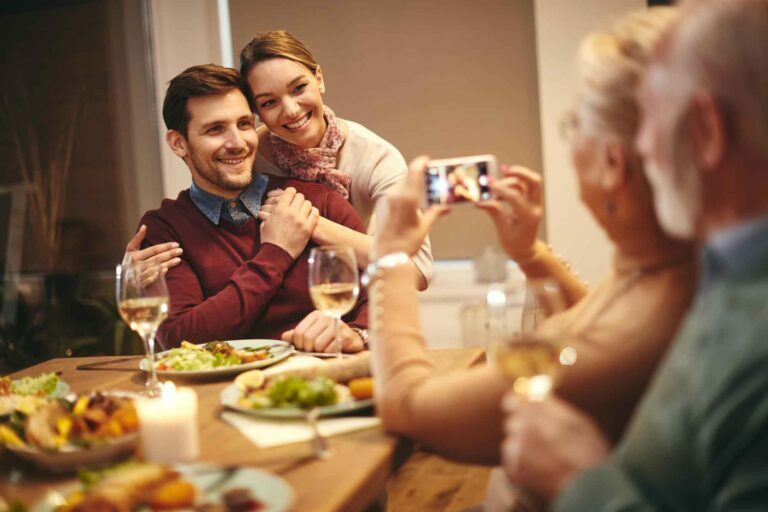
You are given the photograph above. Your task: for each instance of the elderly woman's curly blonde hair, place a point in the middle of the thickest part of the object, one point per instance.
(611, 66)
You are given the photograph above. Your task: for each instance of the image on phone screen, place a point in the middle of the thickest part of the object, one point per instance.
(455, 183)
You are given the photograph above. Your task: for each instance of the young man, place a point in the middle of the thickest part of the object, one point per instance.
(239, 277)
(699, 440)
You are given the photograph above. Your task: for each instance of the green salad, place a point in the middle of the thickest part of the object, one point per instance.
(43, 385)
(293, 392)
(184, 359)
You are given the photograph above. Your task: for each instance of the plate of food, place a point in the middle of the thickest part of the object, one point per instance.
(218, 358)
(60, 435)
(292, 397)
(148, 487)
(45, 385)
(335, 388)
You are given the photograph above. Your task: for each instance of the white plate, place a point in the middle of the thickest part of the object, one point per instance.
(273, 492)
(231, 394)
(71, 458)
(222, 371)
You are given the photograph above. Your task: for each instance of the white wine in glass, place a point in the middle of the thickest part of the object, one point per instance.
(532, 356)
(142, 300)
(333, 284)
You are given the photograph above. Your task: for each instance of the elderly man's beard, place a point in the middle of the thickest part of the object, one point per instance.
(677, 191)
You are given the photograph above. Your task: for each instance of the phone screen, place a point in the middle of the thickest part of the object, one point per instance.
(457, 182)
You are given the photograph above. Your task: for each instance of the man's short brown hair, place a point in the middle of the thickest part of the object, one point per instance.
(204, 80)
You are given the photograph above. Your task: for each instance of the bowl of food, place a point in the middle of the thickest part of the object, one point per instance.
(59, 435)
(26, 392)
(148, 486)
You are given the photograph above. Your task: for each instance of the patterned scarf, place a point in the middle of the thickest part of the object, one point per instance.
(314, 164)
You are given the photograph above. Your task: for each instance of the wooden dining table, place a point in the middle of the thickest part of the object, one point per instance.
(354, 476)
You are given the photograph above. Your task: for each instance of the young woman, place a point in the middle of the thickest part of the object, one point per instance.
(302, 137)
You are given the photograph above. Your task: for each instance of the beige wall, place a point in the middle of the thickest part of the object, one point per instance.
(446, 78)
(437, 77)
(560, 26)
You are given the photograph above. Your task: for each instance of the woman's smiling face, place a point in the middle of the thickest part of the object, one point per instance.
(289, 100)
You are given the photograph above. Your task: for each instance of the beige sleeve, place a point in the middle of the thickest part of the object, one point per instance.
(544, 264)
(457, 415)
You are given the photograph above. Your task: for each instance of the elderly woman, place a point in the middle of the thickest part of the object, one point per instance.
(624, 324)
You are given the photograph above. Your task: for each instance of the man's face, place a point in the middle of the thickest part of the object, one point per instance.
(666, 149)
(221, 143)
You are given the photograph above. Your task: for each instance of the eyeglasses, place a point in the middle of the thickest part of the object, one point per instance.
(569, 123)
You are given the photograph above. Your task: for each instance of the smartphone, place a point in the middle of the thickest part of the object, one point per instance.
(463, 179)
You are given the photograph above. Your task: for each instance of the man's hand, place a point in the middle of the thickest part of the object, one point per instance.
(290, 223)
(166, 255)
(315, 334)
(548, 443)
(400, 226)
(516, 210)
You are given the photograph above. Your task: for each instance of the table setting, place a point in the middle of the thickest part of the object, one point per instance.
(223, 425)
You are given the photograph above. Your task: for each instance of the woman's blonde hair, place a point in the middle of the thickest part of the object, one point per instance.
(611, 67)
(274, 45)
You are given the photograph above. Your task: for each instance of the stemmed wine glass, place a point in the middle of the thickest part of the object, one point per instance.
(333, 284)
(142, 299)
(530, 351)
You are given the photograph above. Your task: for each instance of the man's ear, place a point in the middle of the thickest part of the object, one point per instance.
(707, 129)
(615, 166)
(177, 142)
(319, 78)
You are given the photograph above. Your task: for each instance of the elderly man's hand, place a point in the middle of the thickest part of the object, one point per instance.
(315, 333)
(548, 443)
(516, 210)
(400, 226)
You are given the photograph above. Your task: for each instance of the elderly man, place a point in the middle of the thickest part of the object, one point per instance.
(239, 277)
(699, 440)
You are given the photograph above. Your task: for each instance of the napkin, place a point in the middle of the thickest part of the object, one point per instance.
(266, 433)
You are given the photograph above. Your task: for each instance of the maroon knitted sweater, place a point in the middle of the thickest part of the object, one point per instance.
(231, 286)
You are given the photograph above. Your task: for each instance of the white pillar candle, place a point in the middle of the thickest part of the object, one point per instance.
(168, 425)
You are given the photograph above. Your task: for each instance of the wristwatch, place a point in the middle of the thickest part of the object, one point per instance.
(363, 333)
(391, 260)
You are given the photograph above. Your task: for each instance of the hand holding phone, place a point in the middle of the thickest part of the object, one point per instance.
(463, 179)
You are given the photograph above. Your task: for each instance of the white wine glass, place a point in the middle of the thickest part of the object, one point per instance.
(531, 351)
(333, 284)
(142, 299)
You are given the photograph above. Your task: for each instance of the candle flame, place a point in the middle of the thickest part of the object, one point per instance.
(168, 393)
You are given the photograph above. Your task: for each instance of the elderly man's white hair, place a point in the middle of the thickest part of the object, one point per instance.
(721, 46)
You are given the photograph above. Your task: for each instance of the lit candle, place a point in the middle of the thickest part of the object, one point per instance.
(168, 425)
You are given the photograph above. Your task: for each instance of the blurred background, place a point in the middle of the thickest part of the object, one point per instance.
(84, 154)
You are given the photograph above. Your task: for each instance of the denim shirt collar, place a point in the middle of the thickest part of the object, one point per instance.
(737, 251)
(247, 204)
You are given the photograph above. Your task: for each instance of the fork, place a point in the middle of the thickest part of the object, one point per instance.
(319, 442)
